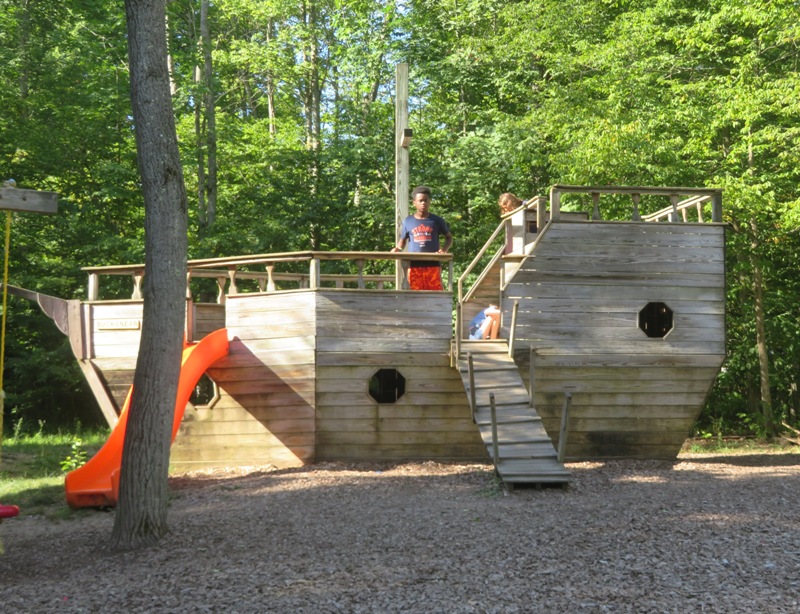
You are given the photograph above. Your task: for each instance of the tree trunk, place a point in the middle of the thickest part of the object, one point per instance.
(312, 108)
(211, 117)
(761, 339)
(24, 48)
(141, 516)
(271, 85)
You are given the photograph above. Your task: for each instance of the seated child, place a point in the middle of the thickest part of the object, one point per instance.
(486, 324)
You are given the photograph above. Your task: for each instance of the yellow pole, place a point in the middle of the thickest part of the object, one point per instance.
(3, 327)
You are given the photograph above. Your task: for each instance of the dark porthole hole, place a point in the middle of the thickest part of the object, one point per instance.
(655, 319)
(387, 385)
(204, 392)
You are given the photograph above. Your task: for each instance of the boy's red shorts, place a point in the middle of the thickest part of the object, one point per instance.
(425, 278)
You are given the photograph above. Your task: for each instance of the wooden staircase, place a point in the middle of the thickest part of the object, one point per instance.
(525, 452)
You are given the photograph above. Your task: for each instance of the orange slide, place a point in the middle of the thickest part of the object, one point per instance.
(96, 484)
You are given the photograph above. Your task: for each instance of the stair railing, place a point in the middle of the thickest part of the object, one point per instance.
(513, 332)
(504, 225)
(562, 433)
(472, 397)
(531, 378)
(495, 447)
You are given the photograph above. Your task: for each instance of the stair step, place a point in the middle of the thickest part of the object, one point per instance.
(541, 449)
(484, 418)
(520, 467)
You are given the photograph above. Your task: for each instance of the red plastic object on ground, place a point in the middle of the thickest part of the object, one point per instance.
(8, 511)
(96, 484)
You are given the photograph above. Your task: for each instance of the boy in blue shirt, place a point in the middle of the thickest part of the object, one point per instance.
(421, 233)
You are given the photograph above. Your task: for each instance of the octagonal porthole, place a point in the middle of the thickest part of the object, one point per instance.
(387, 385)
(655, 319)
(205, 393)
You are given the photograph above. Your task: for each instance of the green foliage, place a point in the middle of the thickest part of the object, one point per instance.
(77, 457)
(32, 475)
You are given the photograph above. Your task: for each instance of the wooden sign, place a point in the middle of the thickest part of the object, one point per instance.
(34, 201)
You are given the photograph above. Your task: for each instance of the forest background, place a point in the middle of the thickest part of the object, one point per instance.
(285, 113)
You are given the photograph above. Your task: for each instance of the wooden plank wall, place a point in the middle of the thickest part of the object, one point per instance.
(359, 333)
(580, 296)
(206, 318)
(265, 414)
(294, 388)
(113, 343)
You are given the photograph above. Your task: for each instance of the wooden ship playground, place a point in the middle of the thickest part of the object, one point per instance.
(612, 333)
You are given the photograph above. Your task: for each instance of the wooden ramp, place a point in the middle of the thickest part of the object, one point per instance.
(525, 452)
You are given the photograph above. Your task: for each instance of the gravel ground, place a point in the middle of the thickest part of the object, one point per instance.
(702, 534)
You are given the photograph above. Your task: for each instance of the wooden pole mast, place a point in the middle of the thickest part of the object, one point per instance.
(401, 165)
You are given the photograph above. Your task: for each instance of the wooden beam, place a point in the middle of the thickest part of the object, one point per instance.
(34, 201)
(401, 162)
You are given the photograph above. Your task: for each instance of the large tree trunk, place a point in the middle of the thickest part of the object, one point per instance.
(141, 516)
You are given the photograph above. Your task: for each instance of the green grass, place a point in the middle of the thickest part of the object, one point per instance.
(31, 473)
(738, 445)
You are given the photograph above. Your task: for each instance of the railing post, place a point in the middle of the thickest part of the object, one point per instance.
(531, 379)
(562, 433)
(495, 452)
(93, 287)
(541, 213)
(513, 332)
(314, 272)
(270, 280)
(189, 331)
(716, 207)
(360, 265)
(555, 204)
(450, 276)
(459, 316)
(673, 199)
(137, 285)
(221, 281)
(472, 395)
(232, 289)
(636, 215)
(596, 205)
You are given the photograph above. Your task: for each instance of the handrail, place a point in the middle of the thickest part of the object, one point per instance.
(539, 203)
(669, 213)
(674, 193)
(477, 258)
(226, 270)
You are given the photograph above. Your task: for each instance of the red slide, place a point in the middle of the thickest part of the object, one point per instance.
(96, 484)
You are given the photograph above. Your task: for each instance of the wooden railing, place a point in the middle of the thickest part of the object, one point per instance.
(229, 271)
(696, 198)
